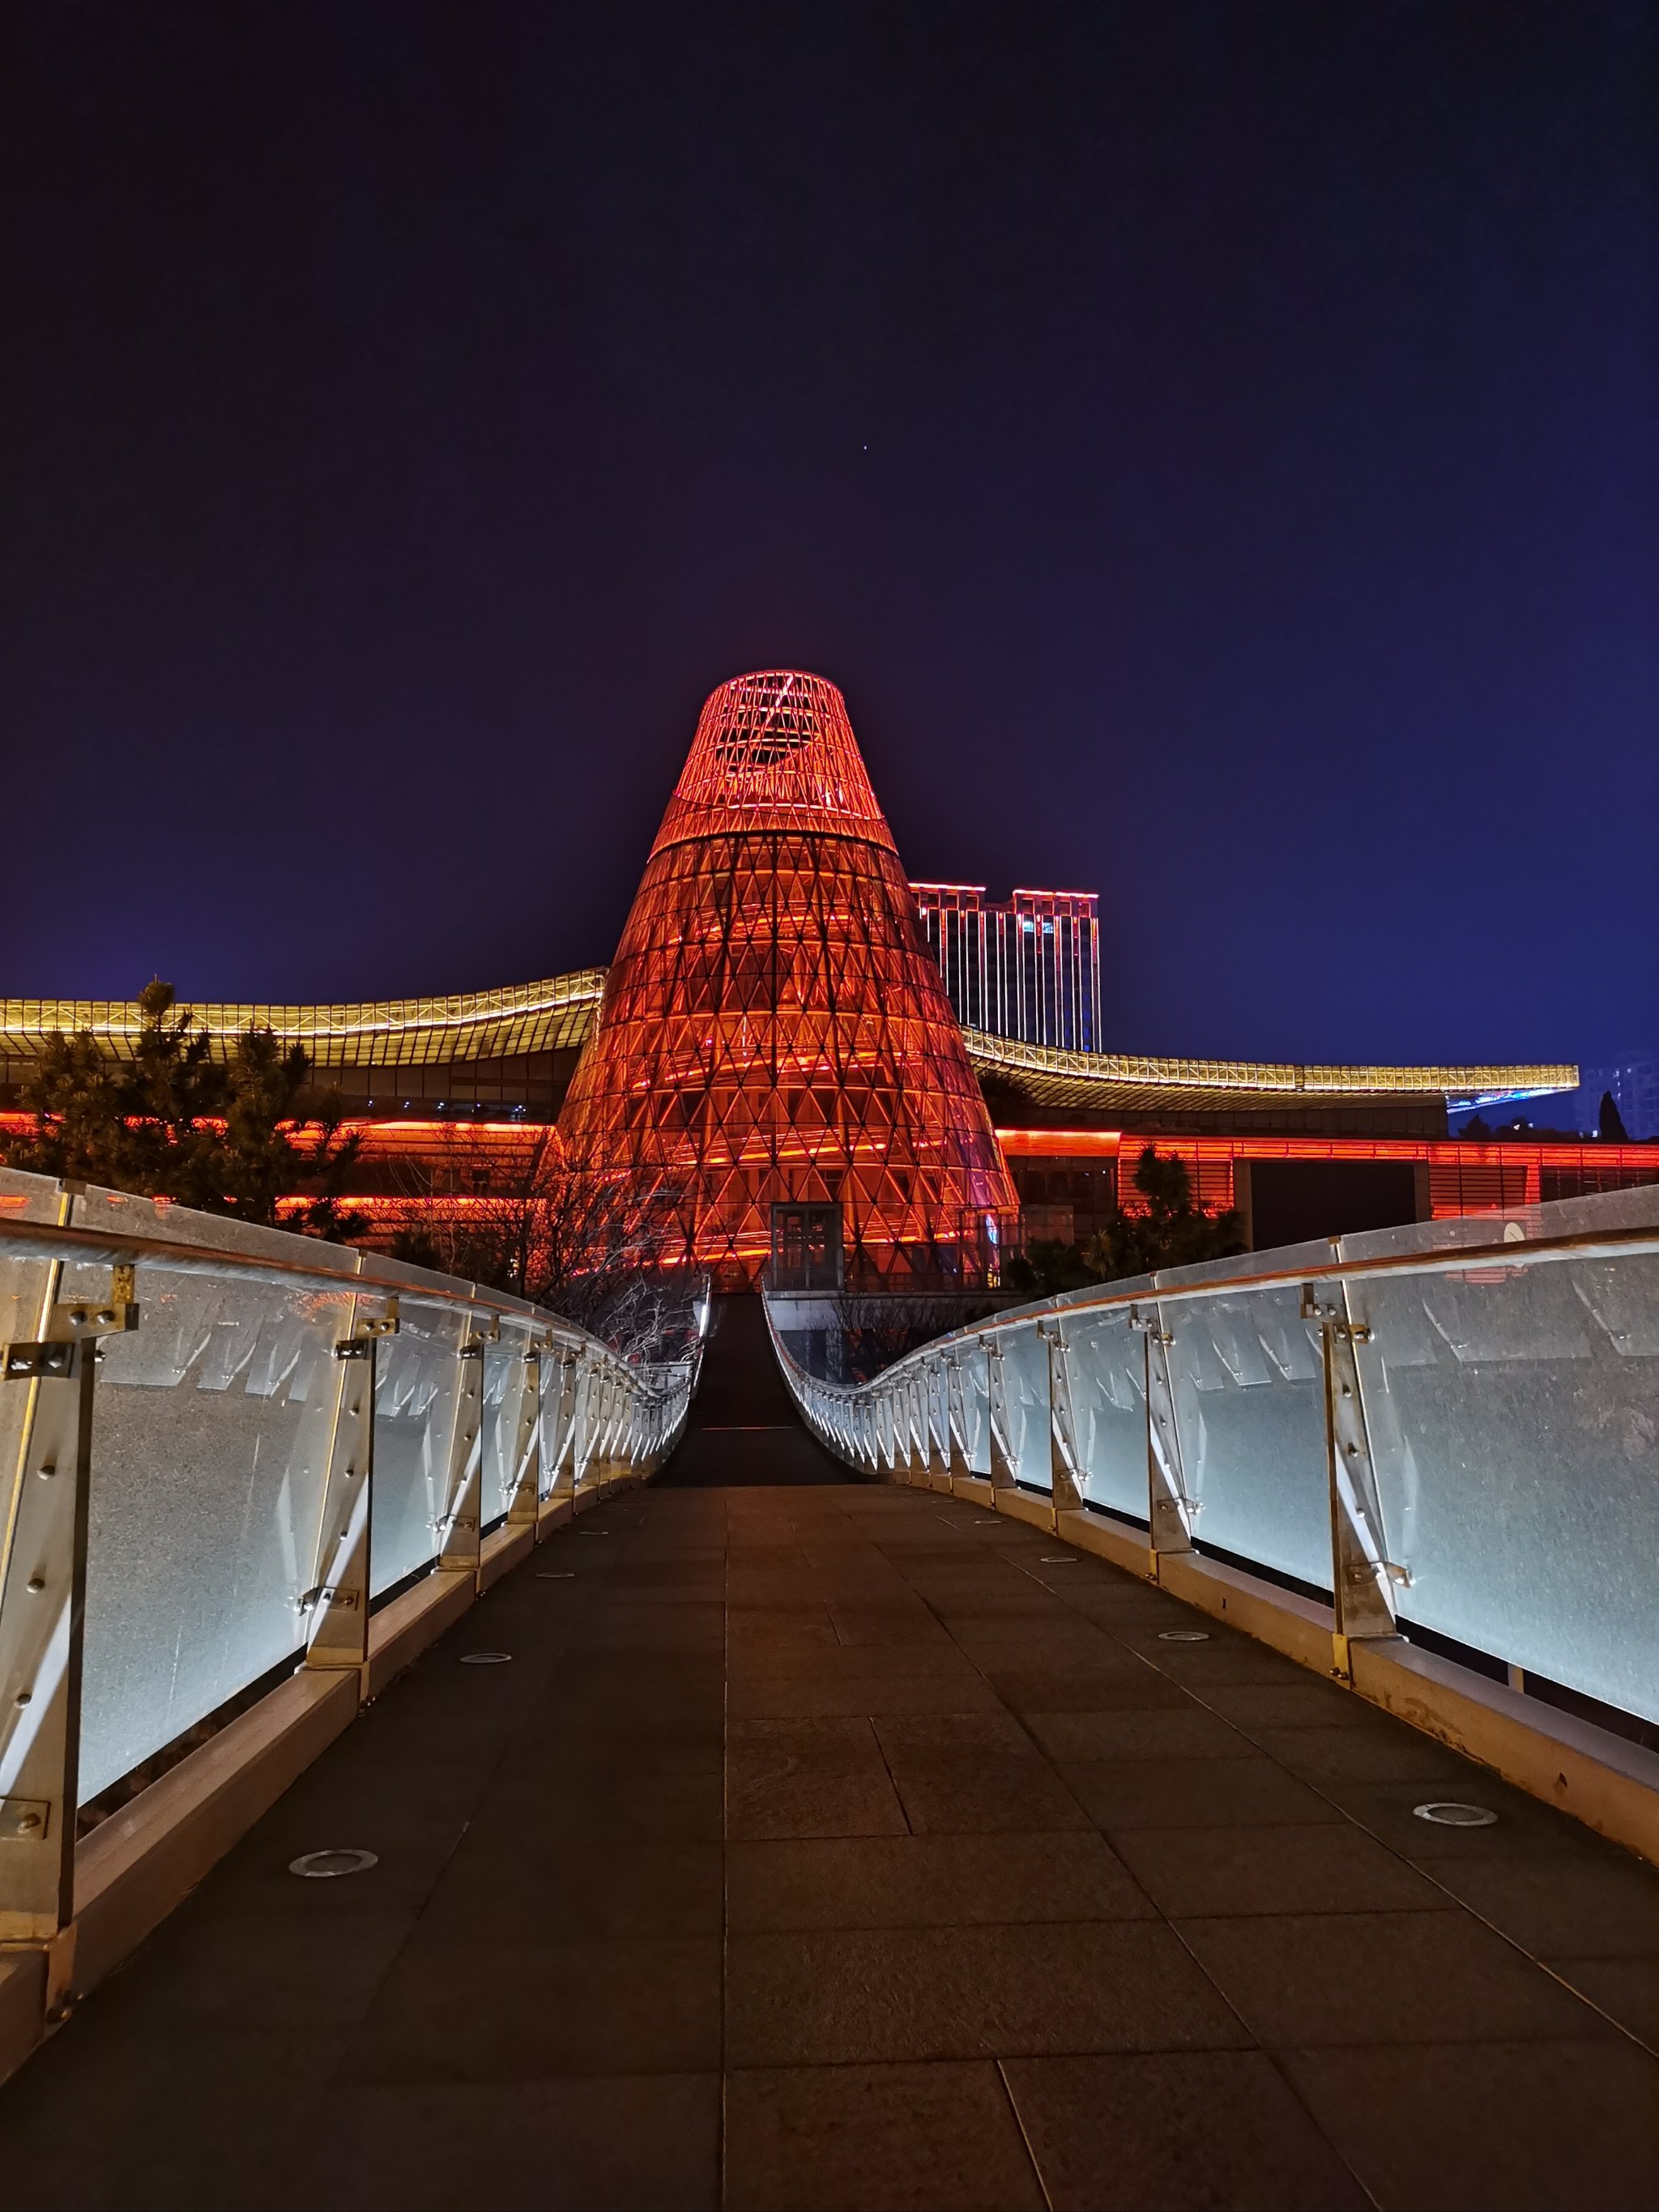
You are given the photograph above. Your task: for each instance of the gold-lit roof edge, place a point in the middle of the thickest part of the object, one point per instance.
(559, 1011)
(467, 1025)
(1012, 1055)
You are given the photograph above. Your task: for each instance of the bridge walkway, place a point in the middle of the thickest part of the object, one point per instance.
(829, 1844)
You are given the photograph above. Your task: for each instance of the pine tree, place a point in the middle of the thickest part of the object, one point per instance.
(1172, 1232)
(222, 1136)
(78, 1098)
(1610, 1123)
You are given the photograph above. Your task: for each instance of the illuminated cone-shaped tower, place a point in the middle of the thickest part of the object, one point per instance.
(773, 1028)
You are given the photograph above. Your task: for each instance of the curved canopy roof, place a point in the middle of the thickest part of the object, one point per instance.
(560, 1012)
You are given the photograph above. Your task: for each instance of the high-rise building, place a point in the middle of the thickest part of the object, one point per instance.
(1633, 1081)
(772, 1034)
(1030, 968)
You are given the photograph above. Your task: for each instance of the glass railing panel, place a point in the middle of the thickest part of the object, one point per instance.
(1607, 1213)
(1122, 1287)
(939, 1410)
(974, 1405)
(586, 1421)
(556, 1423)
(502, 1373)
(1514, 1419)
(122, 1211)
(903, 1398)
(23, 1285)
(1248, 1379)
(1025, 1402)
(1611, 1210)
(211, 1431)
(417, 1377)
(1106, 1370)
(868, 1432)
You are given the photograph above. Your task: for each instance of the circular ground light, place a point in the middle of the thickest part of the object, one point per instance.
(485, 1658)
(1456, 1816)
(327, 1866)
(1060, 1559)
(1184, 1634)
(561, 1575)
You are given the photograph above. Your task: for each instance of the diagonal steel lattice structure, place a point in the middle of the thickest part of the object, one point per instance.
(774, 1029)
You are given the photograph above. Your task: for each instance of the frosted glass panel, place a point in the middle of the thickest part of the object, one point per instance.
(1514, 1416)
(210, 1437)
(96, 1209)
(973, 1409)
(1249, 1391)
(23, 1293)
(940, 1403)
(418, 1376)
(500, 1425)
(1106, 1368)
(1025, 1399)
(558, 1423)
(551, 1430)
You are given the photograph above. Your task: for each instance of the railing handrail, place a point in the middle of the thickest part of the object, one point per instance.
(116, 1247)
(1577, 1244)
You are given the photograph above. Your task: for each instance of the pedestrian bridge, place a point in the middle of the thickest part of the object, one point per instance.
(768, 1834)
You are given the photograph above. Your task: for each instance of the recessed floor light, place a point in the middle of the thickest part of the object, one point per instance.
(1456, 1816)
(485, 1658)
(561, 1575)
(1184, 1634)
(327, 1866)
(1060, 1559)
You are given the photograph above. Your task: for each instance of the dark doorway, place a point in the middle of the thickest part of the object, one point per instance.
(1292, 1201)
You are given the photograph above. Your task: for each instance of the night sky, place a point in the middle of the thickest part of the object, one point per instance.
(1213, 447)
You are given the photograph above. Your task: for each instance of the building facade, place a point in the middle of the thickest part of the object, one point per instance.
(1030, 968)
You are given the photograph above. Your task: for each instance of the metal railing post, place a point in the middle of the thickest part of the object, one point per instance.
(1063, 1463)
(605, 1450)
(1362, 1579)
(561, 1472)
(1170, 1509)
(525, 1478)
(461, 1544)
(339, 1600)
(938, 1424)
(996, 1417)
(43, 1591)
(887, 1431)
(955, 1420)
(898, 1458)
(584, 1425)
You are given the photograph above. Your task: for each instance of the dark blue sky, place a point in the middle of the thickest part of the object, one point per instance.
(1213, 447)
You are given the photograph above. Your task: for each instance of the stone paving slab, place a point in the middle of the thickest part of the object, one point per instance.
(812, 1851)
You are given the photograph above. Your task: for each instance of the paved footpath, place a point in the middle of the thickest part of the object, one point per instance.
(831, 1844)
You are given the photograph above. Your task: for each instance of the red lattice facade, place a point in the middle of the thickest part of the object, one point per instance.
(774, 1029)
